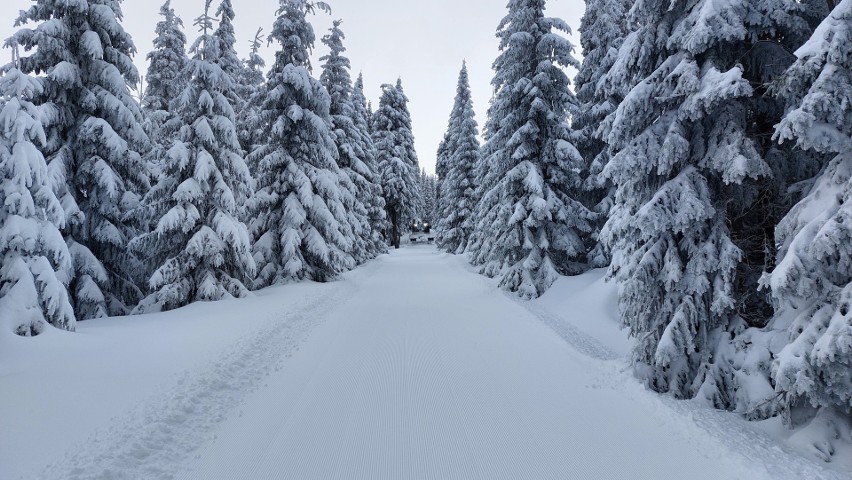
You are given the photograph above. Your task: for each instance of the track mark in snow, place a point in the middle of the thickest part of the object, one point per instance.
(154, 441)
(581, 341)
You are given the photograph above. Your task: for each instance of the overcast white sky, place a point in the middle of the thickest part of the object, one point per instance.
(423, 41)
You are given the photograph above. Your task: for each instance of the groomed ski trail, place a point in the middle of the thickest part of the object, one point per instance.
(415, 368)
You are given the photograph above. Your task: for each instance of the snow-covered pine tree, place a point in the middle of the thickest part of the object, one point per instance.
(34, 259)
(94, 136)
(406, 134)
(200, 248)
(422, 185)
(227, 57)
(458, 189)
(249, 126)
(427, 192)
(394, 151)
(405, 137)
(432, 198)
(376, 202)
(166, 63)
(369, 113)
(356, 182)
(441, 168)
(226, 40)
(812, 284)
(690, 229)
(602, 30)
(530, 221)
(299, 219)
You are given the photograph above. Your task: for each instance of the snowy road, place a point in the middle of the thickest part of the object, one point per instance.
(413, 368)
(428, 372)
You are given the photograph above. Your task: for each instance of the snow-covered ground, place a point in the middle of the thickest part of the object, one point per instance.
(409, 367)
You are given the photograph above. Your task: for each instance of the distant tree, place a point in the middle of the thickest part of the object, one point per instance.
(226, 54)
(370, 116)
(251, 90)
(427, 192)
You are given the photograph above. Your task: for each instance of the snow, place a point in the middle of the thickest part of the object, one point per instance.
(412, 366)
(91, 44)
(593, 306)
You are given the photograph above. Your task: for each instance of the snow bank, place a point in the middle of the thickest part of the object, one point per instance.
(583, 310)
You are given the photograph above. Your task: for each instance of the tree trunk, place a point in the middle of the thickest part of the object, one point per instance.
(395, 232)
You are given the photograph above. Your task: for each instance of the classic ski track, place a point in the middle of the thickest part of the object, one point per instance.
(154, 440)
(579, 340)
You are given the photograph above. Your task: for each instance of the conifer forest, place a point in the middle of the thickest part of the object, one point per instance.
(694, 156)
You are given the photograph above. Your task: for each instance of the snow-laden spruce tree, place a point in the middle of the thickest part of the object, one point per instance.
(226, 40)
(812, 284)
(34, 260)
(530, 222)
(166, 64)
(299, 220)
(406, 143)
(423, 185)
(441, 168)
(602, 30)
(428, 192)
(251, 90)
(200, 249)
(352, 143)
(376, 202)
(690, 230)
(397, 162)
(227, 57)
(457, 189)
(405, 133)
(94, 139)
(369, 114)
(432, 198)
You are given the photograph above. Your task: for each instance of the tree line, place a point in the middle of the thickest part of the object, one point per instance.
(220, 180)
